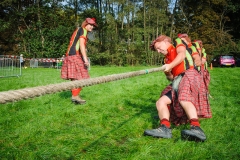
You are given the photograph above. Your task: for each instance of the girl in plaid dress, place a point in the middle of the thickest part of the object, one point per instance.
(75, 66)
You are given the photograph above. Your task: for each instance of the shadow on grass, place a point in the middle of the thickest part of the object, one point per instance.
(151, 109)
(99, 141)
(65, 94)
(143, 104)
(142, 101)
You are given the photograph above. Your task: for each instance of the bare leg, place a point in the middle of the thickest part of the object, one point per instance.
(190, 109)
(164, 130)
(162, 107)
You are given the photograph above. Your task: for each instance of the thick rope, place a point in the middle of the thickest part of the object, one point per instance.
(26, 93)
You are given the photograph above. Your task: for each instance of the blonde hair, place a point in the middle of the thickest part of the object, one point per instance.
(84, 23)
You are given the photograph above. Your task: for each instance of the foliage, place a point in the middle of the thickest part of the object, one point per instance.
(126, 27)
(206, 20)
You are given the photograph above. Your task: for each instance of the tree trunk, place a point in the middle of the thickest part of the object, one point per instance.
(144, 25)
(76, 9)
(122, 16)
(40, 27)
(100, 33)
(172, 19)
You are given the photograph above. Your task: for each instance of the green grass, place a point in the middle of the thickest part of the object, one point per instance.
(111, 124)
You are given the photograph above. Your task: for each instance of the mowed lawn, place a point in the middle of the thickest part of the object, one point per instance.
(111, 124)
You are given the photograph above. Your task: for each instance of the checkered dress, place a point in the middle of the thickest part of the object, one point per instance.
(192, 89)
(74, 68)
(206, 77)
(173, 107)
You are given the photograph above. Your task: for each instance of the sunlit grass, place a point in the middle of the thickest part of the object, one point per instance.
(111, 124)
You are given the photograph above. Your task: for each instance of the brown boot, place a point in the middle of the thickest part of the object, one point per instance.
(78, 100)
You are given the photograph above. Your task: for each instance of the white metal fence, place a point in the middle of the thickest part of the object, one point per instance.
(10, 66)
(44, 62)
(33, 63)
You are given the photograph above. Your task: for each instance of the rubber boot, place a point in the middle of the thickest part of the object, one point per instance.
(75, 96)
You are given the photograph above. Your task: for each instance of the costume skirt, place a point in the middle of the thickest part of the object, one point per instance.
(73, 68)
(192, 89)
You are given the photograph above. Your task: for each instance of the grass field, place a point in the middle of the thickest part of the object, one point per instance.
(111, 124)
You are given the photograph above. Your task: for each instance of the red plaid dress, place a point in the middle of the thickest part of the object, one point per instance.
(206, 77)
(192, 89)
(74, 68)
(173, 107)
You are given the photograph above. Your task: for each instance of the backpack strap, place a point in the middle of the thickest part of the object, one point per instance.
(178, 42)
(188, 62)
(197, 46)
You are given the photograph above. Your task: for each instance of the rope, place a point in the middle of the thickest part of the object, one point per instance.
(26, 93)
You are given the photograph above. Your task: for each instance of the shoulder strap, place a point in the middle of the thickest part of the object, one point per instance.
(193, 48)
(204, 52)
(197, 46)
(177, 42)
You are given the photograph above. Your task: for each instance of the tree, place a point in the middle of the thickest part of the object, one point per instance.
(204, 20)
(42, 28)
